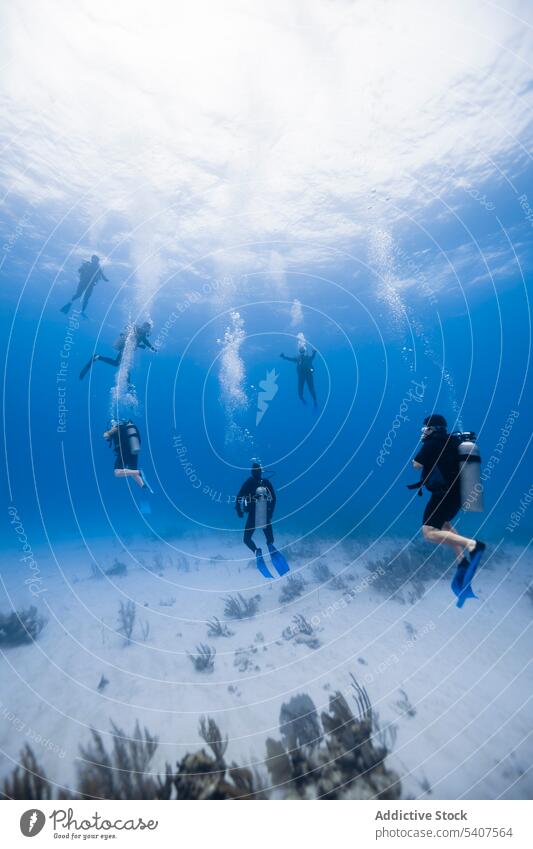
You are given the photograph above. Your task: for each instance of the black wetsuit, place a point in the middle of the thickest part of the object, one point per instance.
(440, 461)
(121, 446)
(245, 501)
(90, 273)
(141, 341)
(304, 370)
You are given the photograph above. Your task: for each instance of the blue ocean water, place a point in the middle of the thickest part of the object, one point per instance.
(379, 179)
(388, 354)
(354, 177)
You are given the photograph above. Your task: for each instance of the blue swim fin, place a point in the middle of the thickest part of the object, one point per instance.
(475, 559)
(261, 565)
(87, 367)
(145, 482)
(459, 577)
(278, 561)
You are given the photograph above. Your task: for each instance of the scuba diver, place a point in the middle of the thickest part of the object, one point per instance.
(90, 273)
(141, 334)
(450, 468)
(257, 498)
(304, 370)
(125, 439)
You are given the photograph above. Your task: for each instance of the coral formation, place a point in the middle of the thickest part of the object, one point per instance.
(27, 781)
(121, 773)
(321, 571)
(341, 756)
(20, 626)
(238, 607)
(215, 628)
(126, 619)
(298, 723)
(403, 573)
(404, 705)
(181, 563)
(348, 763)
(244, 659)
(210, 732)
(292, 588)
(204, 659)
(302, 632)
(117, 570)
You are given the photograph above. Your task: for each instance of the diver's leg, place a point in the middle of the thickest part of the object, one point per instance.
(111, 361)
(269, 533)
(311, 386)
(248, 533)
(75, 296)
(459, 549)
(88, 292)
(79, 292)
(436, 527)
(442, 536)
(130, 473)
(301, 381)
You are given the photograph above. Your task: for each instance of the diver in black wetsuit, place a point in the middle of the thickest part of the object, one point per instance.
(90, 274)
(141, 333)
(438, 460)
(125, 439)
(245, 502)
(304, 370)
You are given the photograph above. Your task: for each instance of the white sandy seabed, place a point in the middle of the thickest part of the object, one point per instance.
(456, 684)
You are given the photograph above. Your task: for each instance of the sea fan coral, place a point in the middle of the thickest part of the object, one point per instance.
(215, 628)
(293, 587)
(204, 659)
(238, 607)
(346, 764)
(27, 781)
(122, 773)
(340, 757)
(126, 619)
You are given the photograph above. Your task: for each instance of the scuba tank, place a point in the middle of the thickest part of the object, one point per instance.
(470, 473)
(131, 437)
(261, 498)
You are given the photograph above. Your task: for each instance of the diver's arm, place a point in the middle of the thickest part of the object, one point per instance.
(313, 355)
(144, 343)
(109, 433)
(290, 359)
(147, 346)
(102, 275)
(417, 465)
